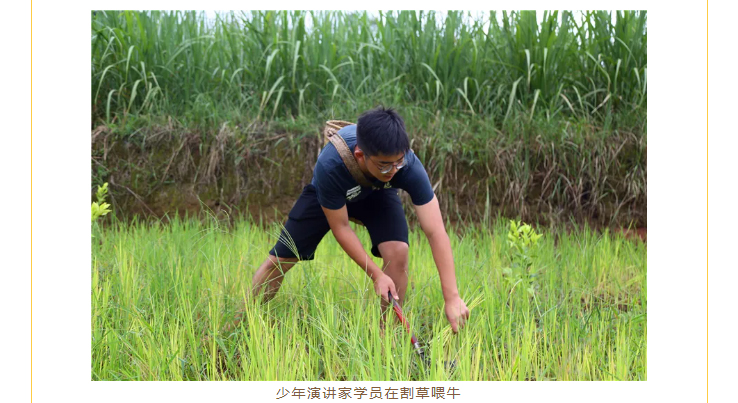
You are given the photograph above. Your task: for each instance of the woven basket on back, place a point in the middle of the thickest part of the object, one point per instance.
(330, 131)
(332, 127)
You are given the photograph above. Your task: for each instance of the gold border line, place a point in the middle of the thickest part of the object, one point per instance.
(31, 201)
(707, 384)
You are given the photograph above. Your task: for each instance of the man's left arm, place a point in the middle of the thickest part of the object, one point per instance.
(429, 216)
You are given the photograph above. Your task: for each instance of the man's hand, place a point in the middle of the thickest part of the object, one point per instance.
(457, 313)
(383, 284)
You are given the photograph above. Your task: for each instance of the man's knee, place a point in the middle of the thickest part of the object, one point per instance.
(285, 262)
(395, 254)
(275, 266)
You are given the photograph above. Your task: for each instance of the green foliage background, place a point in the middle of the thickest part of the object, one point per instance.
(511, 114)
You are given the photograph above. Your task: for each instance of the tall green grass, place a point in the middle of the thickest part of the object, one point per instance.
(161, 295)
(273, 64)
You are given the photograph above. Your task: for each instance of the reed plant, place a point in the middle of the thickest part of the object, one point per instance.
(537, 116)
(276, 64)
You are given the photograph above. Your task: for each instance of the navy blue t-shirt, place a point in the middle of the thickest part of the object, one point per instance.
(335, 186)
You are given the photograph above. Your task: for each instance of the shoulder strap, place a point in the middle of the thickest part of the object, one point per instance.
(331, 133)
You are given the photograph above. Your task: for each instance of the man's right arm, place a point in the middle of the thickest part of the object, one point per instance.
(346, 237)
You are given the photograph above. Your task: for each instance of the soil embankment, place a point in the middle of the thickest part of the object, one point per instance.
(162, 171)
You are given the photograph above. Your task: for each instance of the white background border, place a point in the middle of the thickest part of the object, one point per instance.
(61, 181)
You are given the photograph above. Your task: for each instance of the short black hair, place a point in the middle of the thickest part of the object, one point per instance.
(382, 131)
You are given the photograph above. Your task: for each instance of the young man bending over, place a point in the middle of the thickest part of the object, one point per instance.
(381, 147)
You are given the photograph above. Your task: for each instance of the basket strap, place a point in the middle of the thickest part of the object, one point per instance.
(331, 133)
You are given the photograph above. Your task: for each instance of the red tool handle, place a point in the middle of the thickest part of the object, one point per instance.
(401, 317)
(413, 339)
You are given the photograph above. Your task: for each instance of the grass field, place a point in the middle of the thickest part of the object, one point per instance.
(161, 293)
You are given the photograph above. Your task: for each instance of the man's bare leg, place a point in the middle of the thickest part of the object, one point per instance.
(395, 256)
(265, 283)
(268, 277)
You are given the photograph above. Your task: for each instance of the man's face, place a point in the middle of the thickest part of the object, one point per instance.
(384, 167)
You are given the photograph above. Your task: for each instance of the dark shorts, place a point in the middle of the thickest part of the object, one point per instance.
(381, 213)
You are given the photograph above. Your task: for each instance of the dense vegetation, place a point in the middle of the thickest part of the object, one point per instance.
(178, 64)
(572, 308)
(542, 119)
